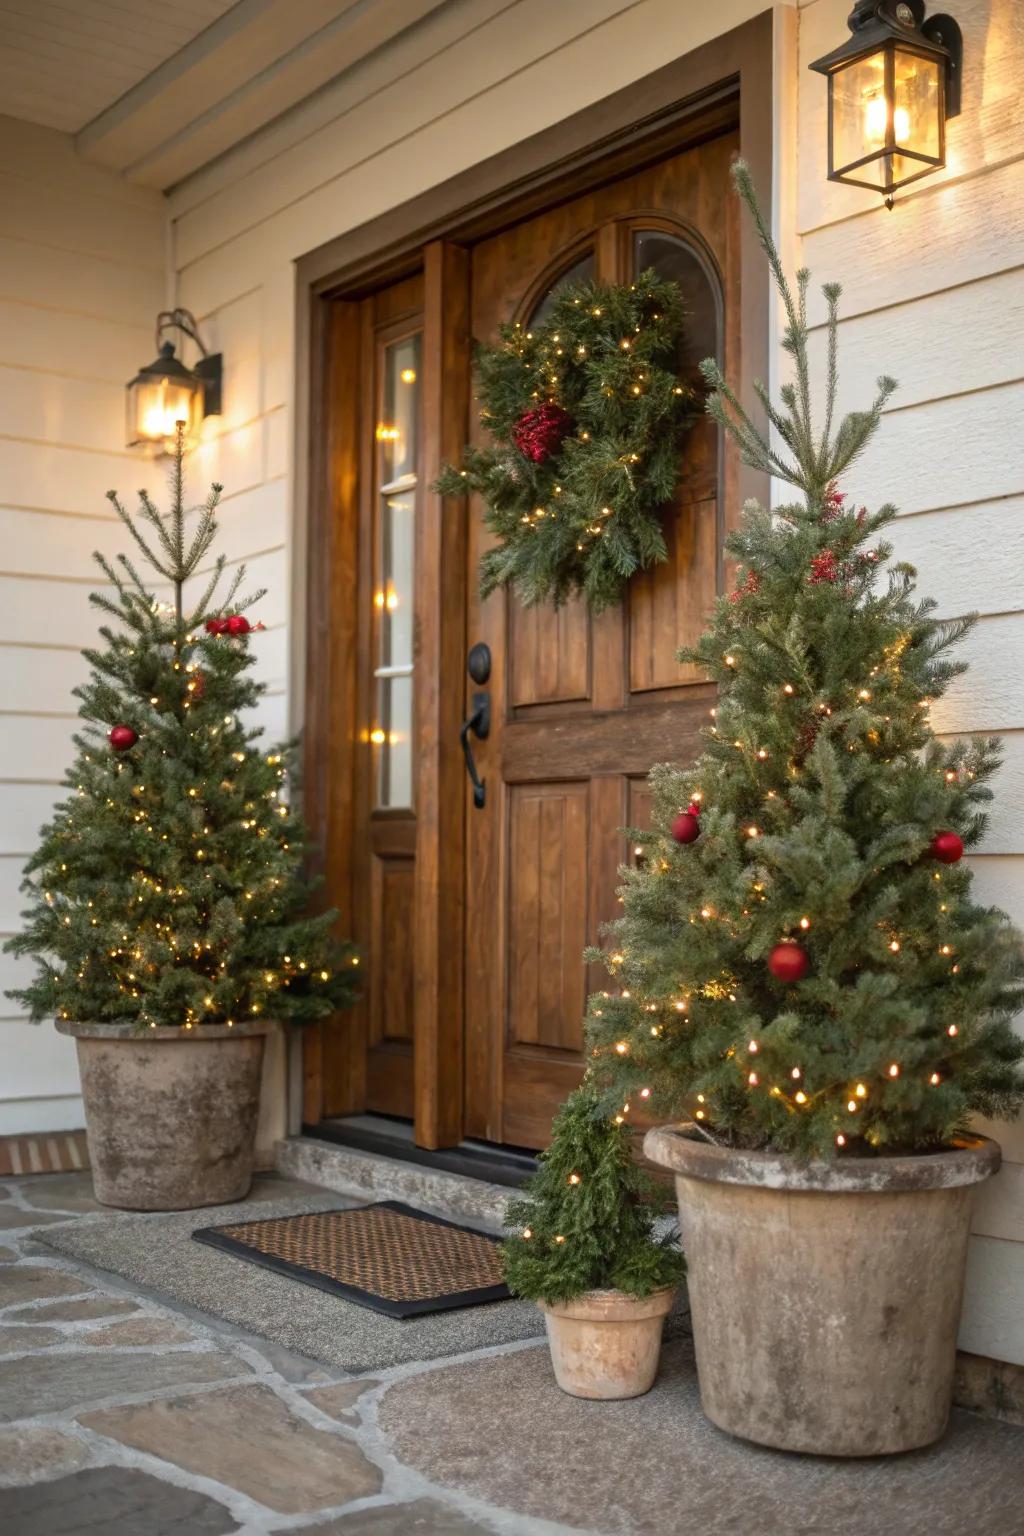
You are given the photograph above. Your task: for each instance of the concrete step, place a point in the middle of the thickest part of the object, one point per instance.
(369, 1176)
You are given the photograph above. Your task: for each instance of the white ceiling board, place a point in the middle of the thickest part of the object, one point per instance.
(63, 62)
(320, 61)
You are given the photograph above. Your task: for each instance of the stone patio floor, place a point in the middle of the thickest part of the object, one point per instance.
(126, 1414)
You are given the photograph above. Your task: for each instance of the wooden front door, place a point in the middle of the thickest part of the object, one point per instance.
(582, 707)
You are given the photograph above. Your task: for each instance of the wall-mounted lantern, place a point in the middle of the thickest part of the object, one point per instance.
(891, 87)
(166, 392)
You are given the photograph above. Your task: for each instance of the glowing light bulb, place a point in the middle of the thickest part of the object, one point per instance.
(622, 1047)
(527, 1232)
(935, 1079)
(894, 1070)
(753, 1079)
(574, 1178)
(801, 1097)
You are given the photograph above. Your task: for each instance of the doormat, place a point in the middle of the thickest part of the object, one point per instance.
(387, 1256)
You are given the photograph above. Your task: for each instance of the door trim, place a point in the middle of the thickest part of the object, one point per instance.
(698, 96)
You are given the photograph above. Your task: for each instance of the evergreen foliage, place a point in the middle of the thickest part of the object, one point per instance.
(165, 888)
(586, 1221)
(821, 789)
(587, 515)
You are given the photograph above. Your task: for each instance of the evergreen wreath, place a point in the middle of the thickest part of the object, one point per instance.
(587, 413)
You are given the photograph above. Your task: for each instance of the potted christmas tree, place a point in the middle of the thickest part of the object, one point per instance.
(586, 1253)
(804, 972)
(166, 913)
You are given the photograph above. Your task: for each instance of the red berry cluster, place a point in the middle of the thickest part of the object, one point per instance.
(540, 432)
(824, 568)
(237, 624)
(750, 587)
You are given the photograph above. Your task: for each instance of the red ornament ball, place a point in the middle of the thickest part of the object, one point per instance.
(947, 847)
(122, 737)
(788, 963)
(686, 827)
(216, 626)
(238, 624)
(540, 433)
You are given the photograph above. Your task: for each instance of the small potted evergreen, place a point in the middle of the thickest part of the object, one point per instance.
(584, 1250)
(804, 974)
(166, 913)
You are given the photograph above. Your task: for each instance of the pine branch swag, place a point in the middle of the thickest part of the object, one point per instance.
(587, 414)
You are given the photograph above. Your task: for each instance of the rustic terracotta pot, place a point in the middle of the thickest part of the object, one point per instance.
(170, 1114)
(606, 1344)
(826, 1295)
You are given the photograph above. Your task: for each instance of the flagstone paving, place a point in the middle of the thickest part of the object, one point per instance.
(124, 1413)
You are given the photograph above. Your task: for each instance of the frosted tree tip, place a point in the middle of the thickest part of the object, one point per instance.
(111, 495)
(886, 384)
(832, 291)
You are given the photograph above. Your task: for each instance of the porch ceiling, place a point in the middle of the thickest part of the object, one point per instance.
(153, 92)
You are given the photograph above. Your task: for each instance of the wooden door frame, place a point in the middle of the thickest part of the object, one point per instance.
(726, 81)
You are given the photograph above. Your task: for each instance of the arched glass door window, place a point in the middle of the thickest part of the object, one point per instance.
(676, 260)
(582, 270)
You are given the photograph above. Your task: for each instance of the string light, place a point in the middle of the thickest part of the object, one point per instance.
(894, 1070)
(801, 1097)
(935, 1079)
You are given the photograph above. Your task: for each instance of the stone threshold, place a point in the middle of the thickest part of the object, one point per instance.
(371, 1176)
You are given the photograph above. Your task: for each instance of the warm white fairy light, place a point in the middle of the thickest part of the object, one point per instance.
(894, 1069)
(801, 1097)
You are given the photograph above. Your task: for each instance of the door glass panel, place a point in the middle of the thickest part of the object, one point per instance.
(581, 271)
(676, 261)
(395, 561)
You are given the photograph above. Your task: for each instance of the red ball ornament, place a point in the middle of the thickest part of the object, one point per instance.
(788, 963)
(947, 847)
(216, 626)
(122, 737)
(238, 624)
(686, 827)
(540, 432)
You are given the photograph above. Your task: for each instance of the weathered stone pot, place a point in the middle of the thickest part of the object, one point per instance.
(170, 1114)
(825, 1296)
(606, 1344)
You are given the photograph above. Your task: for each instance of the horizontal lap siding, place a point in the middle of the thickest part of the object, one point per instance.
(933, 294)
(81, 279)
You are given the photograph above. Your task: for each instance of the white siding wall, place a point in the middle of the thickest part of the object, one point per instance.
(933, 293)
(82, 275)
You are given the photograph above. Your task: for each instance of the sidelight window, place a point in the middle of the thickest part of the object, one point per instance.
(394, 558)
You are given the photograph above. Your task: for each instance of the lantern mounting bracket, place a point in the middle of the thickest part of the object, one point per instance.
(209, 369)
(901, 19)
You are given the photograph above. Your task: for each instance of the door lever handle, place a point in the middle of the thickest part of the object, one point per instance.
(479, 723)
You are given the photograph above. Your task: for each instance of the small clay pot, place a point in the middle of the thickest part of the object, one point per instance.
(605, 1344)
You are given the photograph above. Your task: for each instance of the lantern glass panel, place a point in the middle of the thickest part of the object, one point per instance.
(155, 407)
(917, 104)
(860, 113)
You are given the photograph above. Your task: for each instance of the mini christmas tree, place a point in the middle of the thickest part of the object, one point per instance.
(802, 965)
(165, 889)
(587, 1219)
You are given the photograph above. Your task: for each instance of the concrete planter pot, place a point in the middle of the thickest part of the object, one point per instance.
(170, 1114)
(606, 1344)
(825, 1296)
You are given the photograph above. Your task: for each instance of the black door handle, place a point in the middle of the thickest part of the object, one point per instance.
(479, 723)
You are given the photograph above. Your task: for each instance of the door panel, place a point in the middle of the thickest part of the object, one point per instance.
(581, 706)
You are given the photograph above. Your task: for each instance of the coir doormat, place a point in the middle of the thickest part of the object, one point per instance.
(386, 1256)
